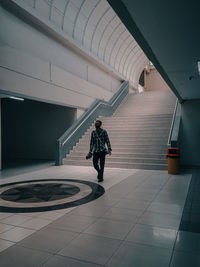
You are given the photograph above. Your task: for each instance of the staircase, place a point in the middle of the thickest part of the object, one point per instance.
(138, 133)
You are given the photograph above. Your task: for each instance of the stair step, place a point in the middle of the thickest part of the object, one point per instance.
(121, 141)
(131, 146)
(123, 155)
(138, 121)
(131, 138)
(109, 120)
(136, 128)
(138, 132)
(129, 150)
(140, 116)
(119, 165)
(123, 160)
(135, 120)
(134, 134)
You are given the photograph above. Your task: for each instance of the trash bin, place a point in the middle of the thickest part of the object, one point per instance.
(173, 156)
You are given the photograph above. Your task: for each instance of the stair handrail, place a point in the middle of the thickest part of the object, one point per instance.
(99, 107)
(175, 126)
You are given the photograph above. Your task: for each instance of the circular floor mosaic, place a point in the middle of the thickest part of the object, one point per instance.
(46, 195)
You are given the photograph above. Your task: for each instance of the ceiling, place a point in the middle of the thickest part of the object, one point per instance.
(94, 26)
(168, 32)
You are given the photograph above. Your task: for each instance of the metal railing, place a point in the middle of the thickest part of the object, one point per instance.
(99, 108)
(175, 126)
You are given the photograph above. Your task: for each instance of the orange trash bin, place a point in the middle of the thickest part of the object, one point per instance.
(173, 157)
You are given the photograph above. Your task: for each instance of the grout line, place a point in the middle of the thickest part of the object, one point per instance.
(173, 249)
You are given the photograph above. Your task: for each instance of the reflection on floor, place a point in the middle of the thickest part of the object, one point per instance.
(190, 220)
(135, 223)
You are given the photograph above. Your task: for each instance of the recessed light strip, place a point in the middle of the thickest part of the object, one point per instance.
(16, 98)
(198, 65)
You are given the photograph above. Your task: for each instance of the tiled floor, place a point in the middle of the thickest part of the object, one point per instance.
(135, 223)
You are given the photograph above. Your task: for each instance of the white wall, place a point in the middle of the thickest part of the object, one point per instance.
(35, 66)
(153, 80)
(79, 113)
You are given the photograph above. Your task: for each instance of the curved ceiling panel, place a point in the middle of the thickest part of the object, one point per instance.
(124, 55)
(97, 28)
(132, 58)
(116, 47)
(132, 54)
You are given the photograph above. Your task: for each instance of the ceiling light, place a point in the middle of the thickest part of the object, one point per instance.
(198, 65)
(16, 98)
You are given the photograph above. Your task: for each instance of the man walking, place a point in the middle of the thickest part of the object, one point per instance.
(99, 138)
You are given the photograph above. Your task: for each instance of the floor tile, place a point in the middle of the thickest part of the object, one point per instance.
(4, 215)
(16, 234)
(65, 211)
(91, 248)
(16, 219)
(73, 222)
(182, 259)
(50, 215)
(61, 261)
(166, 208)
(31, 214)
(188, 242)
(110, 228)
(90, 210)
(35, 223)
(130, 254)
(162, 220)
(145, 190)
(153, 236)
(131, 204)
(121, 214)
(22, 257)
(170, 198)
(151, 186)
(105, 200)
(4, 244)
(5, 227)
(139, 196)
(48, 239)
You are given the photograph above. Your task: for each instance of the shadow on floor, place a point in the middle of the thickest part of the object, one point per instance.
(21, 166)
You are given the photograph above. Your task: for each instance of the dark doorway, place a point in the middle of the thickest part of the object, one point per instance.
(30, 130)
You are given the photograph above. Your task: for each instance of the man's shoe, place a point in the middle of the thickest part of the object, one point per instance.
(100, 180)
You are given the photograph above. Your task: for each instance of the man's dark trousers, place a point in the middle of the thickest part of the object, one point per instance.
(96, 157)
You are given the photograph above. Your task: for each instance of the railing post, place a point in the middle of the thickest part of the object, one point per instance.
(58, 153)
(175, 126)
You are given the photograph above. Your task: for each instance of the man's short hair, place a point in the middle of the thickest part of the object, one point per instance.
(99, 122)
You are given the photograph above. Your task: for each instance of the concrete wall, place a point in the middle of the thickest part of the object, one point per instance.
(153, 80)
(190, 133)
(30, 128)
(0, 139)
(36, 66)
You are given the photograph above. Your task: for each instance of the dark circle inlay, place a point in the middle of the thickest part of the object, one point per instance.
(53, 194)
(39, 192)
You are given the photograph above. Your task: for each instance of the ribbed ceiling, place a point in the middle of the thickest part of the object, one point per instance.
(95, 26)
